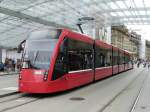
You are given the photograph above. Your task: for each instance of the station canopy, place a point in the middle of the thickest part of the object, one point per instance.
(19, 17)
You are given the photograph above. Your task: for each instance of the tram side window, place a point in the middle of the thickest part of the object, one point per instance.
(115, 57)
(130, 60)
(103, 57)
(121, 58)
(127, 59)
(60, 67)
(79, 55)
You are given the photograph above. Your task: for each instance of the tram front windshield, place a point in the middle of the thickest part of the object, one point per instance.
(39, 48)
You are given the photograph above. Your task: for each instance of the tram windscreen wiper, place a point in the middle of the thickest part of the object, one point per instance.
(36, 55)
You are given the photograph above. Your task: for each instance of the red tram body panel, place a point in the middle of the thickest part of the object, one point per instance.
(102, 72)
(115, 60)
(65, 60)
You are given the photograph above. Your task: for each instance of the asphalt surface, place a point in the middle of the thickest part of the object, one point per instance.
(126, 92)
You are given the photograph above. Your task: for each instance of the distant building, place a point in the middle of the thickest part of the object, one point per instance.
(122, 38)
(147, 49)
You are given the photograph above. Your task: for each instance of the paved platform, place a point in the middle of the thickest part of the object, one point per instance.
(126, 92)
(143, 103)
(8, 84)
(8, 73)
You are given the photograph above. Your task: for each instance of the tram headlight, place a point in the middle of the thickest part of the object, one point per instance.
(45, 75)
(38, 72)
(41, 72)
(20, 77)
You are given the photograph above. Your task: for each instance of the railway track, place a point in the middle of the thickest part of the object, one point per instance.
(15, 100)
(18, 105)
(138, 95)
(11, 96)
(121, 92)
(9, 74)
(8, 94)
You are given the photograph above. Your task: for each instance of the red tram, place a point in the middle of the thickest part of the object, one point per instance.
(59, 59)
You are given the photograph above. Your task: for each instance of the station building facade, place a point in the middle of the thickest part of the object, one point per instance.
(147, 49)
(122, 38)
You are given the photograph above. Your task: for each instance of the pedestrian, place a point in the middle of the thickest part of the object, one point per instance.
(148, 64)
(138, 64)
(144, 65)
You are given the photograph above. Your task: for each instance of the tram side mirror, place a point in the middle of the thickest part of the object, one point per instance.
(19, 49)
(21, 46)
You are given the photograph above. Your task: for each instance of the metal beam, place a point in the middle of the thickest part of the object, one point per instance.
(23, 16)
(109, 0)
(129, 17)
(124, 9)
(132, 21)
(137, 22)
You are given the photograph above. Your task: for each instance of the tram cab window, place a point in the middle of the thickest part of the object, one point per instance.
(103, 57)
(60, 67)
(39, 47)
(79, 55)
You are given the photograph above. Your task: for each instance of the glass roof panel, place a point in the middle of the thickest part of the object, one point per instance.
(103, 6)
(112, 5)
(120, 13)
(129, 3)
(67, 12)
(128, 13)
(138, 3)
(147, 3)
(125, 19)
(19, 4)
(142, 12)
(3, 16)
(113, 14)
(121, 4)
(137, 19)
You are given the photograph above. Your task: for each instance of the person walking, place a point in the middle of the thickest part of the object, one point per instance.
(138, 64)
(148, 64)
